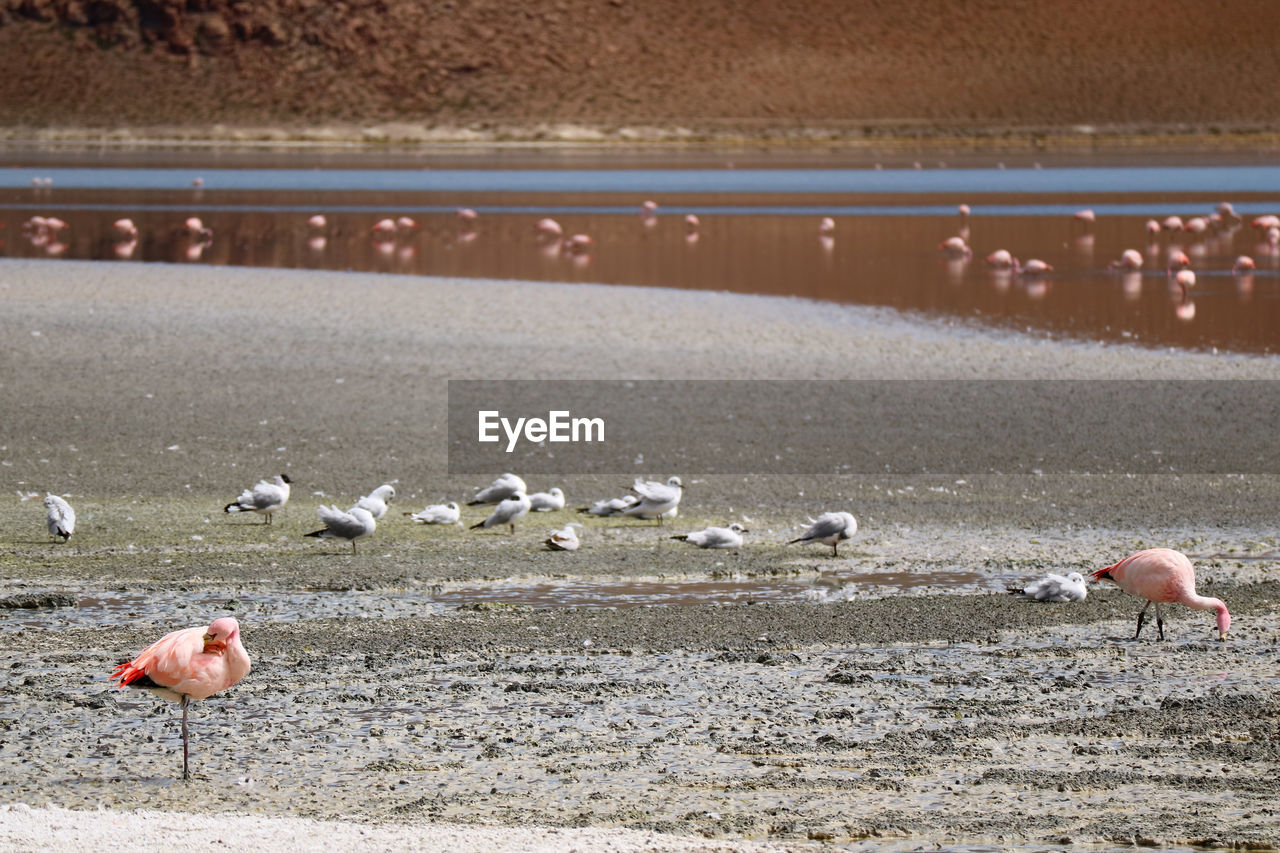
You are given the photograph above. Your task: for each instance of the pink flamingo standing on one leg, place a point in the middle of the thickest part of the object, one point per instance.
(186, 665)
(1162, 576)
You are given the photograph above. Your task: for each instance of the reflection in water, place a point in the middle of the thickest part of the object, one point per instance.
(887, 252)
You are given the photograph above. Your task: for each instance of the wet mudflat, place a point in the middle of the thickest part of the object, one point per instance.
(728, 722)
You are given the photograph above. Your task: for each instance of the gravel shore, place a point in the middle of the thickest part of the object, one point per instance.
(905, 699)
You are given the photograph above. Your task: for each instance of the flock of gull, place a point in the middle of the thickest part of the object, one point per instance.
(648, 499)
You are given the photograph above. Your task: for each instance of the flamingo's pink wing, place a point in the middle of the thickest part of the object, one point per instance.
(165, 660)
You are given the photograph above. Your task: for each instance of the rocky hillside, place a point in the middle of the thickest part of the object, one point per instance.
(862, 65)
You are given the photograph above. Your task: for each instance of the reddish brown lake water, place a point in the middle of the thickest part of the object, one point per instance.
(757, 233)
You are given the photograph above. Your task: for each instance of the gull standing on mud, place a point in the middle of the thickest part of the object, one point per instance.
(830, 528)
(60, 519)
(1162, 576)
(657, 500)
(1057, 588)
(189, 665)
(508, 512)
(564, 539)
(351, 525)
(264, 497)
(376, 502)
(548, 501)
(438, 514)
(716, 537)
(499, 490)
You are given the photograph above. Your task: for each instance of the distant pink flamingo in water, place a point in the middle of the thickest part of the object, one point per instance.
(1178, 260)
(1130, 259)
(649, 214)
(955, 246)
(1162, 576)
(548, 228)
(1243, 264)
(827, 225)
(189, 665)
(1000, 259)
(198, 230)
(1035, 266)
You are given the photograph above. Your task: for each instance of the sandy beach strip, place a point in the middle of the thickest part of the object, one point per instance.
(53, 828)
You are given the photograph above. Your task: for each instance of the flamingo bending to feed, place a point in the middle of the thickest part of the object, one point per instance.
(955, 246)
(1178, 260)
(1162, 576)
(1244, 263)
(1000, 259)
(1035, 266)
(189, 665)
(548, 228)
(1130, 259)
